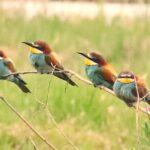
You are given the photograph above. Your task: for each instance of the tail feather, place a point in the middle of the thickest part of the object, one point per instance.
(23, 87)
(21, 84)
(20, 79)
(110, 87)
(65, 77)
(107, 84)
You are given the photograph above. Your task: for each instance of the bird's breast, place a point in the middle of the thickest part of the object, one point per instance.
(4, 70)
(124, 91)
(91, 72)
(38, 61)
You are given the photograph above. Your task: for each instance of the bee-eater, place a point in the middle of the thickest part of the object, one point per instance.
(45, 60)
(126, 87)
(98, 70)
(7, 67)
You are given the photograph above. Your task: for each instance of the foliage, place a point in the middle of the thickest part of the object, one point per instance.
(92, 118)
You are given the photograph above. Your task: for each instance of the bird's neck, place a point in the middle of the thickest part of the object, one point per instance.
(103, 63)
(4, 56)
(47, 50)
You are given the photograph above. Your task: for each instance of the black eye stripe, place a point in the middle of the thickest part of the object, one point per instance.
(37, 46)
(40, 48)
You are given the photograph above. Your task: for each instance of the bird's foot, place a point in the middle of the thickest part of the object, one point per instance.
(129, 104)
(97, 86)
(16, 74)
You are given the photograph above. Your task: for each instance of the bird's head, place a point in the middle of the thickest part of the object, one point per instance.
(2, 54)
(93, 58)
(38, 47)
(126, 77)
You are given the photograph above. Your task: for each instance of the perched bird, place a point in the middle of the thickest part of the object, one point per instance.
(45, 60)
(7, 67)
(98, 70)
(125, 88)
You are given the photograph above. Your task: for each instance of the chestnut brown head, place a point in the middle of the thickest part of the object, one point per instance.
(2, 54)
(94, 58)
(126, 77)
(38, 47)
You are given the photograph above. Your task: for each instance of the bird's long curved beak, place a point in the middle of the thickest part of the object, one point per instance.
(88, 60)
(85, 55)
(28, 43)
(33, 48)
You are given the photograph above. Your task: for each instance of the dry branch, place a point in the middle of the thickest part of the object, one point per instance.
(110, 92)
(51, 146)
(72, 73)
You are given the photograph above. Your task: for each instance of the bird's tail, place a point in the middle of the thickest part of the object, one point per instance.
(65, 77)
(23, 88)
(147, 99)
(22, 84)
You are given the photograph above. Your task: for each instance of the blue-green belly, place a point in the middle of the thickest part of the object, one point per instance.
(124, 91)
(4, 70)
(38, 61)
(95, 77)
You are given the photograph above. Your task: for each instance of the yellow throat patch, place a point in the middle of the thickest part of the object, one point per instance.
(125, 80)
(89, 62)
(34, 50)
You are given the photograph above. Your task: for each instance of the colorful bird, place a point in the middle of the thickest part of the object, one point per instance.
(45, 60)
(126, 89)
(98, 70)
(7, 67)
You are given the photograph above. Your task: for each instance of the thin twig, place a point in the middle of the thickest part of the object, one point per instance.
(49, 83)
(50, 115)
(17, 73)
(34, 145)
(31, 72)
(79, 77)
(51, 146)
(60, 130)
(137, 115)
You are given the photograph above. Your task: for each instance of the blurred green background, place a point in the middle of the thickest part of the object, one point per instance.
(91, 118)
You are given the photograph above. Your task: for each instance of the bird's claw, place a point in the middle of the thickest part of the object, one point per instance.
(129, 104)
(97, 86)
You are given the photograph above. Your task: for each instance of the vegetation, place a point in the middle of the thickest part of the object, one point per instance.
(91, 118)
(127, 1)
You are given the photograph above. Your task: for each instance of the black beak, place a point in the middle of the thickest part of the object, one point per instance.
(32, 45)
(27, 43)
(85, 55)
